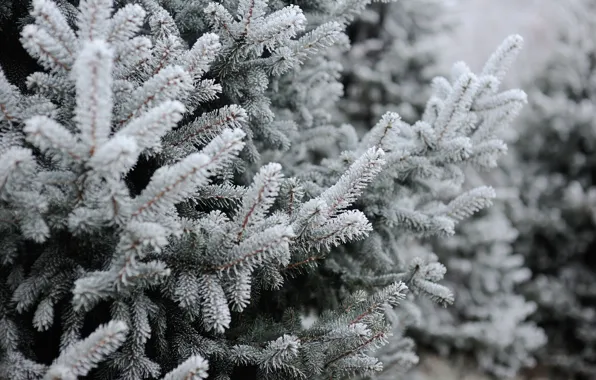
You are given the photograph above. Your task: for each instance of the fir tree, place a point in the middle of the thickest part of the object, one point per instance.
(490, 318)
(174, 200)
(554, 168)
(419, 194)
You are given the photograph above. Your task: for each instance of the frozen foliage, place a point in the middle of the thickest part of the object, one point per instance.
(419, 193)
(556, 180)
(174, 197)
(108, 103)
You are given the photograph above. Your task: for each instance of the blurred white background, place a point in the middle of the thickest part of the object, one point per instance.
(483, 24)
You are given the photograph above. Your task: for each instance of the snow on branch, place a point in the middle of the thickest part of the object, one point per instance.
(93, 74)
(259, 197)
(171, 184)
(94, 19)
(48, 135)
(193, 368)
(48, 16)
(502, 59)
(125, 23)
(351, 184)
(198, 59)
(9, 100)
(171, 83)
(79, 358)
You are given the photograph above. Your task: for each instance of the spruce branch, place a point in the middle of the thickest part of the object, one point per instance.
(351, 225)
(222, 196)
(176, 244)
(137, 237)
(48, 135)
(238, 288)
(93, 74)
(259, 197)
(129, 54)
(204, 128)
(504, 100)
(470, 202)
(221, 19)
(79, 358)
(277, 27)
(17, 163)
(321, 37)
(48, 51)
(371, 341)
(307, 261)
(148, 129)
(250, 10)
(171, 83)
(278, 353)
(187, 289)
(457, 105)
(350, 365)
(49, 17)
(351, 184)
(201, 55)
(390, 295)
(272, 243)
(9, 100)
(486, 153)
(125, 24)
(93, 21)
(115, 157)
(193, 368)
(438, 293)
(214, 305)
(380, 134)
(502, 59)
(171, 184)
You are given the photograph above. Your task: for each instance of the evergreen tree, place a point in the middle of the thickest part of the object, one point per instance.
(174, 200)
(555, 167)
(490, 318)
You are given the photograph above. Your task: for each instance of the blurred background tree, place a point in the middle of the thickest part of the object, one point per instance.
(555, 168)
(395, 54)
